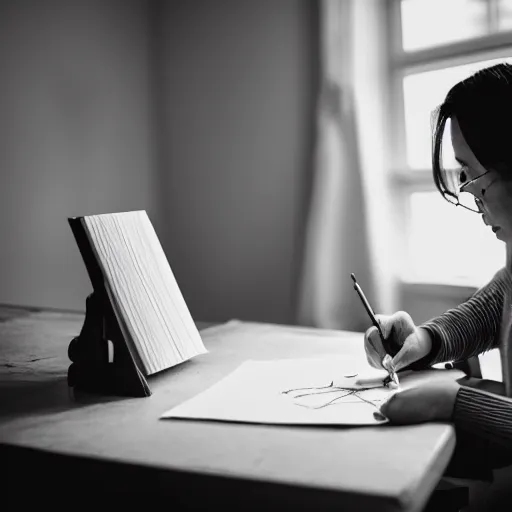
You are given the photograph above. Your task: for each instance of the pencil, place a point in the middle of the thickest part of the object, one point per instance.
(367, 306)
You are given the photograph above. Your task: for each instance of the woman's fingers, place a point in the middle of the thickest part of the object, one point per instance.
(392, 409)
(407, 406)
(428, 402)
(407, 355)
(375, 351)
(386, 324)
(402, 339)
(416, 346)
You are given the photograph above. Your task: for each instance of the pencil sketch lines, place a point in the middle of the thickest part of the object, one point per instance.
(303, 396)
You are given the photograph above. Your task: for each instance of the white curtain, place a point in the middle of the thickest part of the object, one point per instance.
(349, 206)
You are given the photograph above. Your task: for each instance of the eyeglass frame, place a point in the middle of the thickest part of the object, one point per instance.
(478, 201)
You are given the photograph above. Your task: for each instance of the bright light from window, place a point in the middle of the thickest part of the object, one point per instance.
(445, 244)
(448, 244)
(505, 16)
(427, 23)
(423, 92)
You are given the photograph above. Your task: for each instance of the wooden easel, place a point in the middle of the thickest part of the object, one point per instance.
(92, 369)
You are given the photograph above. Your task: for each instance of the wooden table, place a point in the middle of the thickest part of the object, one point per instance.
(63, 449)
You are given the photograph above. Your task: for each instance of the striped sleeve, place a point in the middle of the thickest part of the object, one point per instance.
(485, 414)
(471, 328)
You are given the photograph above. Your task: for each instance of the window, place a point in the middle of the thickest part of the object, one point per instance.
(435, 44)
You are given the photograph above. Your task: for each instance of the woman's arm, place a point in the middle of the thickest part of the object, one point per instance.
(471, 328)
(484, 414)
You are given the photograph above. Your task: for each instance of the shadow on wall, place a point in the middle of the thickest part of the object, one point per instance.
(237, 85)
(199, 112)
(76, 136)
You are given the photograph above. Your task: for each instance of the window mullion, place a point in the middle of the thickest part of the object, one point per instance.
(411, 189)
(461, 52)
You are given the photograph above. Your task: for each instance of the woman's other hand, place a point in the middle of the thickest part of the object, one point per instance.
(404, 341)
(428, 402)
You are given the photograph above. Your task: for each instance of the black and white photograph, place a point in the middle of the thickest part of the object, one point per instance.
(256, 255)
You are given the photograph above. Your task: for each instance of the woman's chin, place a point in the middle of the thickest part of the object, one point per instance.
(500, 235)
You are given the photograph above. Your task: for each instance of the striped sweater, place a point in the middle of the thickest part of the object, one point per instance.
(466, 331)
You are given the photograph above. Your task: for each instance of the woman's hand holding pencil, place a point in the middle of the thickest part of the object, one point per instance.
(405, 342)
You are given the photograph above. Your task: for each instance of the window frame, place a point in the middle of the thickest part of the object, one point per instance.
(403, 180)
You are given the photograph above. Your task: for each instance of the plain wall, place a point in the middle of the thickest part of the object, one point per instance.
(200, 112)
(237, 82)
(75, 136)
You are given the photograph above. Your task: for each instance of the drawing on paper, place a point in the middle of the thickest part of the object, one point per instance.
(319, 397)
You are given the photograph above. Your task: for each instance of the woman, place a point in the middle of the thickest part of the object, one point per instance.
(480, 113)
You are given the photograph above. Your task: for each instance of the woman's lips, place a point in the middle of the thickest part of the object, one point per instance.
(495, 228)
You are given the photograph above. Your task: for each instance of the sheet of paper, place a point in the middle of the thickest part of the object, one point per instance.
(300, 392)
(291, 391)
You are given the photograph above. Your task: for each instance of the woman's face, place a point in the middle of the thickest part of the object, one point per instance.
(494, 193)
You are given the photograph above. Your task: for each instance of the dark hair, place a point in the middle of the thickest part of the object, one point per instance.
(482, 104)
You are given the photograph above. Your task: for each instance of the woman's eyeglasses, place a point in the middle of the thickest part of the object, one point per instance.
(466, 199)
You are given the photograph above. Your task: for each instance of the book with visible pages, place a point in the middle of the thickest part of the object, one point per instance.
(134, 283)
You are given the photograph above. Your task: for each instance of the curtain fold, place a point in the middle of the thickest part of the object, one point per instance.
(339, 229)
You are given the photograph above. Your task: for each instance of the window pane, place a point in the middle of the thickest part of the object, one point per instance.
(448, 244)
(427, 23)
(423, 92)
(505, 14)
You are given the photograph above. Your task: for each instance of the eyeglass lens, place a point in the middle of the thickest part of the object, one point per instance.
(470, 202)
(466, 200)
